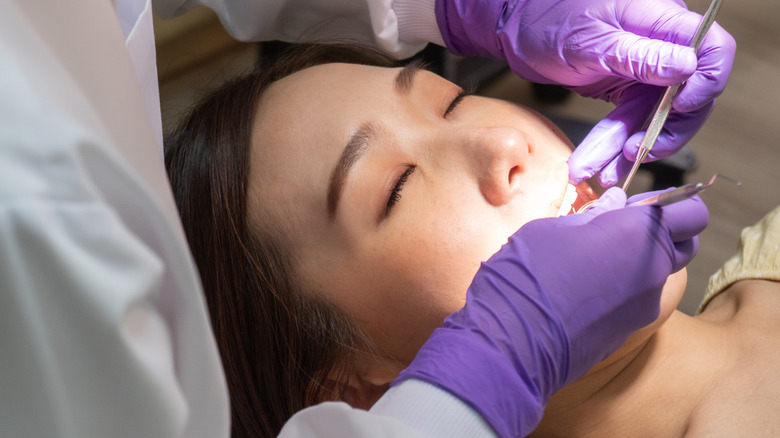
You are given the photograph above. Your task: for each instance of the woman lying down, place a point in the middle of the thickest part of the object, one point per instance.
(371, 193)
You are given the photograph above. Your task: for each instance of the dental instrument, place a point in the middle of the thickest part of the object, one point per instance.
(681, 193)
(664, 104)
(671, 196)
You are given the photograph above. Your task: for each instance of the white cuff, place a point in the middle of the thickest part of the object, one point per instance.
(431, 411)
(417, 22)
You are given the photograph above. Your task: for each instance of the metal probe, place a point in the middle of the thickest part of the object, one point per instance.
(681, 193)
(670, 196)
(664, 104)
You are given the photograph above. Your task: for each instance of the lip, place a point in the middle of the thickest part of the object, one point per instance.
(585, 194)
(564, 192)
(573, 197)
(569, 197)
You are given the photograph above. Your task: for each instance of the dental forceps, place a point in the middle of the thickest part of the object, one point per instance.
(664, 104)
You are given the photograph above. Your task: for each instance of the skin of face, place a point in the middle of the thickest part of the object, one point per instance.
(480, 172)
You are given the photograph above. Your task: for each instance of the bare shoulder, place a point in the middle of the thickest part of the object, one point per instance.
(751, 302)
(744, 399)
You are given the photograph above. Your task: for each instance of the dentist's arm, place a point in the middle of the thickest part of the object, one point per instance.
(104, 328)
(400, 28)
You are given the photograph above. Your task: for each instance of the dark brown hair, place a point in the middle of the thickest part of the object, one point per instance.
(279, 343)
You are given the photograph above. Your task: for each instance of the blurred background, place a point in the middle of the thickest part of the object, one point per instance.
(740, 139)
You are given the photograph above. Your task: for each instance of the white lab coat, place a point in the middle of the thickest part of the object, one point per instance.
(103, 327)
(398, 27)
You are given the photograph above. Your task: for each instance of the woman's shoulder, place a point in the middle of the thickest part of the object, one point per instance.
(757, 258)
(752, 303)
(743, 398)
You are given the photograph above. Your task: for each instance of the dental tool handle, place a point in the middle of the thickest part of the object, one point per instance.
(660, 114)
(670, 197)
(706, 22)
(664, 105)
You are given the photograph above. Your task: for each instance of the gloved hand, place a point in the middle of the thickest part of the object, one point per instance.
(606, 49)
(560, 296)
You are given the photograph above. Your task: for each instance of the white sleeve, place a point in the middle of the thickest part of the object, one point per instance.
(104, 331)
(413, 409)
(399, 28)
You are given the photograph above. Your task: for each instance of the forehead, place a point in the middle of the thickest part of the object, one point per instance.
(302, 123)
(320, 84)
(320, 103)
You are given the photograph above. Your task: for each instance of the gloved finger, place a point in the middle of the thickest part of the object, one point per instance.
(674, 227)
(615, 171)
(684, 252)
(647, 60)
(644, 195)
(606, 140)
(715, 60)
(603, 143)
(612, 199)
(715, 56)
(682, 221)
(673, 24)
(678, 130)
(685, 219)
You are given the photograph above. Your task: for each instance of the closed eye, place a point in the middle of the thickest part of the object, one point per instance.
(395, 193)
(457, 100)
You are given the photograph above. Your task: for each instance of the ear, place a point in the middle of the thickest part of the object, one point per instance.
(368, 381)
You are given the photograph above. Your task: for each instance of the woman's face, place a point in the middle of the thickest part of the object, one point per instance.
(393, 187)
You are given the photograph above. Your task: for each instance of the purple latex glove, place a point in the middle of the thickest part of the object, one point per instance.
(558, 297)
(606, 49)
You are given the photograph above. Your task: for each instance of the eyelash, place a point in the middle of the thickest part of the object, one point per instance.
(395, 194)
(458, 99)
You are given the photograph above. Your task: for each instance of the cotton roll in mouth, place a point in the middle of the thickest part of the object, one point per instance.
(568, 199)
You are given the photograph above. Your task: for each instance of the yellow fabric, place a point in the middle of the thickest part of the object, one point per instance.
(757, 257)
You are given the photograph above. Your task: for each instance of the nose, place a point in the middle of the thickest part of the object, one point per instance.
(499, 155)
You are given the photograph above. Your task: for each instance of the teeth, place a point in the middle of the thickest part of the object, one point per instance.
(568, 199)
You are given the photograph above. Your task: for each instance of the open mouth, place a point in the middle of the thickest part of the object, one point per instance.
(569, 197)
(575, 197)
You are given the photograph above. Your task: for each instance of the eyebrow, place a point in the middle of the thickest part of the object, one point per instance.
(362, 139)
(356, 147)
(405, 78)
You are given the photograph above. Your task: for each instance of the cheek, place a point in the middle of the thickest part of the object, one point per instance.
(421, 276)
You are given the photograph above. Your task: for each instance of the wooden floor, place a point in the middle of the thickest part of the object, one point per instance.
(740, 139)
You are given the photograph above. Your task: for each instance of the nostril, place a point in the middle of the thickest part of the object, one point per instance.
(515, 170)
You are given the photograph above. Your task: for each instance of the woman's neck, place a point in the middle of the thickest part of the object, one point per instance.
(650, 390)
